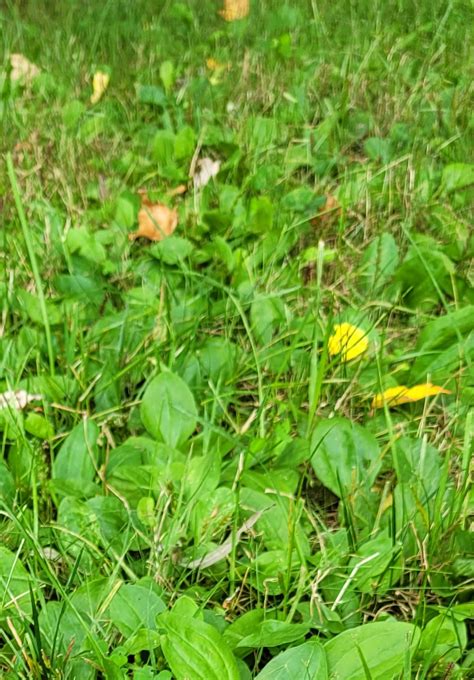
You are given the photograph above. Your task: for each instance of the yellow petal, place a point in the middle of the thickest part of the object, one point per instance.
(348, 341)
(427, 390)
(395, 396)
(392, 396)
(213, 64)
(100, 82)
(234, 9)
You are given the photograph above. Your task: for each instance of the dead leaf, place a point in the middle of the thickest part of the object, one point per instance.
(177, 191)
(234, 9)
(100, 83)
(329, 213)
(207, 169)
(22, 69)
(156, 221)
(17, 399)
(225, 549)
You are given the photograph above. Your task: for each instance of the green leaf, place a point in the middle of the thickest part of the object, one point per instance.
(345, 456)
(86, 243)
(457, 176)
(378, 262)
(135, 607)
(371, 564)
(143, 640)
(444, 330)
(243, 625)
(261, 215)
(194, 649)
(7, 485)
(380, 648)
(184, 143)
(167, 75)
(71, 113)
(77, 459)
(442, 639)
(168, 410)
(14, 587)
(30, 304)
(172, 249)
(378, 148)
(304, 661)
(151, 94)
(163, 148)
(266, 313)
(439, 365)
(38, 426)
(274, 633)
(126, 210)
(61, 624)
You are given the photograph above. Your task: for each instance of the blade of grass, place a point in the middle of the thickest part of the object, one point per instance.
(32, 256)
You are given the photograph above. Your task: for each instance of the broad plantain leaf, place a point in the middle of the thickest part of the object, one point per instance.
(378, 262)
(195, 649)
(168, 409)
(304, 661)
(135, 607)
(77, 459)
(380, 649)
(344, 455)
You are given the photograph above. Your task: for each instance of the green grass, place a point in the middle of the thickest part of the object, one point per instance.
(188, 406)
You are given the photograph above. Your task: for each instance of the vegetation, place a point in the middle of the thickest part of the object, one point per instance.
(239, 445)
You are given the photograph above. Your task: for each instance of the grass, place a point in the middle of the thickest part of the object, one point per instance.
(189, 404)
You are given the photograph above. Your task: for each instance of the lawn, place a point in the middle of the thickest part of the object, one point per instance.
(236, 340)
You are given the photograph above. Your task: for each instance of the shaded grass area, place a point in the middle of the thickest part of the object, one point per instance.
(187, 389)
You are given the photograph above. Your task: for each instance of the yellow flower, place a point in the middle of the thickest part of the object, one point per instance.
(100, 83)
(348, 341)
(394, 396)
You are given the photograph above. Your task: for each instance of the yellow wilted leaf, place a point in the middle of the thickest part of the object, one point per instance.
(348, 341)
(234, 9)
(390, 397)
(395, 396)
(23, 69)
(155, 220)
(427, 390)
(100, 83)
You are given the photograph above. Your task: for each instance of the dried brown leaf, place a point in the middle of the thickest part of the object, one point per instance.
(156, 221)
(234, 9)
(23, 69)
(329, 213)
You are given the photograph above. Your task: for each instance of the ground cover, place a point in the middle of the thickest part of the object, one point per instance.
(236, 340)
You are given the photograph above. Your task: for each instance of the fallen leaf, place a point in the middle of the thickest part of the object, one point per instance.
(178, 191)
(100, 83)
(394, 396)
(207, 169)
(348, 341)
(22, 69)
(156, 221)
(234, 9)
(329, 213)
(17, 399)
(225, 549)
